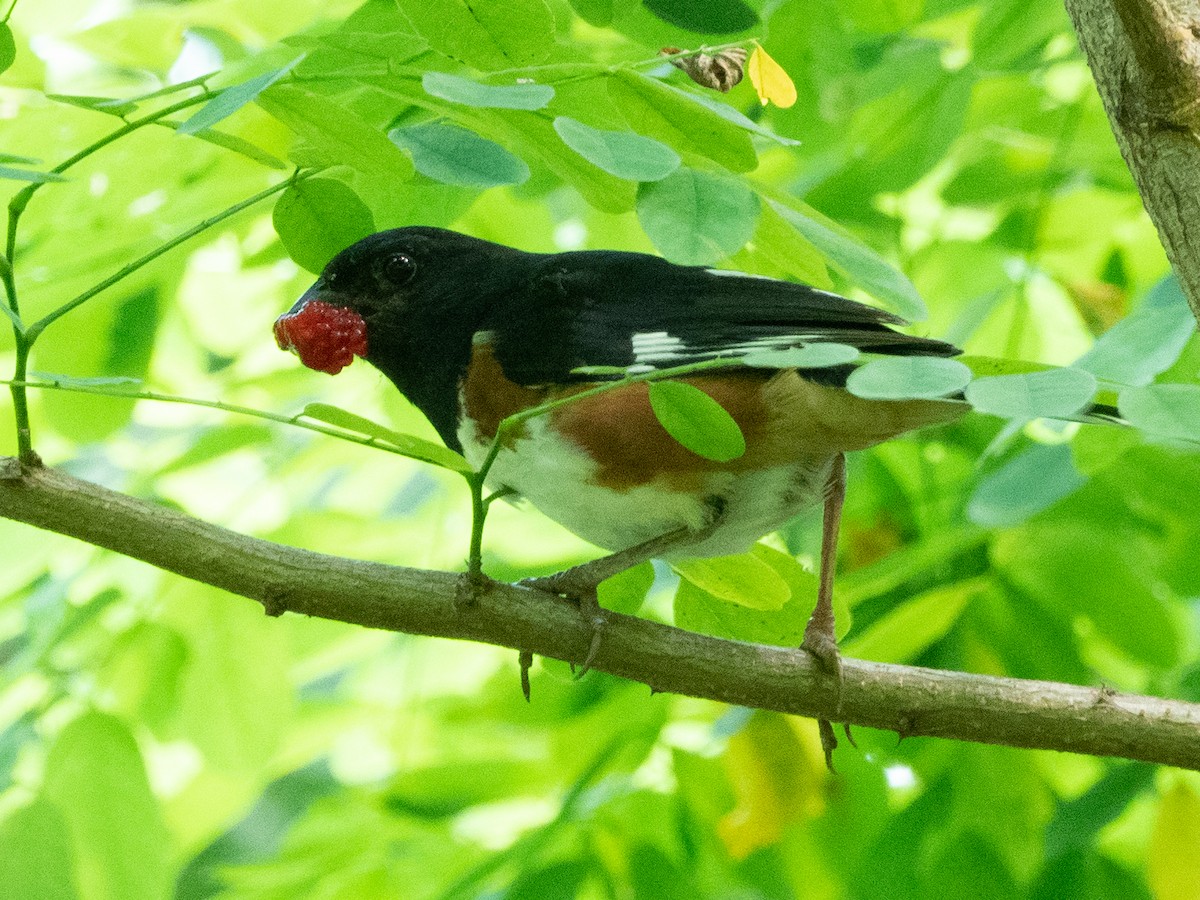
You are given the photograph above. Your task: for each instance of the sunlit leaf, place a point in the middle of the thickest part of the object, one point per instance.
(917, 623)
(96, 778)
(339, 136)
(676, 119)
(1173, 865)
(231, 99)
(36, 856)
(770, 81)
(695, 218)
(455, 155)
(108, 105)
(743, 579)
(626, 591)
(696, 420)
(407, 444)
(319, 217)
(619, 153)
(908, 377)
(486, 36)
(498, 96)
(857, 262)
(8, 48)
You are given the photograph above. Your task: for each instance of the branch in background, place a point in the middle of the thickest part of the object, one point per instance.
(1145, 57)
(911, 701)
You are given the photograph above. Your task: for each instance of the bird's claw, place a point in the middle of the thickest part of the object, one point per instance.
(583, 594)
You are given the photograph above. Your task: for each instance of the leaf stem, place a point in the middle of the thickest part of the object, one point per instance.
(35, 330)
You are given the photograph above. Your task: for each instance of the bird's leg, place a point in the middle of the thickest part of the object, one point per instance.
(581, 583)
(820, 639)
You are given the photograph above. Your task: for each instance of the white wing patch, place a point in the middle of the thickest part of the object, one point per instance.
(657, 346)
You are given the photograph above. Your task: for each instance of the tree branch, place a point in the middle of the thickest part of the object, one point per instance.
(911, 701)
(1145, 57)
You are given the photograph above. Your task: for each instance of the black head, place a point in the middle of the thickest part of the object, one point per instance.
(408, 301)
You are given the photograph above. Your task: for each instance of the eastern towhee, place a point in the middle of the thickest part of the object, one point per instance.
(472, 332)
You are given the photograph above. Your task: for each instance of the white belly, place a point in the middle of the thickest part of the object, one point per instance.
(554, 476)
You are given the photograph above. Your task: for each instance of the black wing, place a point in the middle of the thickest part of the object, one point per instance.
(639, 312)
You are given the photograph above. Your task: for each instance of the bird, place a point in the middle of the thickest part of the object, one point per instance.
(472, 332)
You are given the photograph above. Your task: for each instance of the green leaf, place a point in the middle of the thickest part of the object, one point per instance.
(743, 578)
(626, 591)
(1166, 410)
(809, 356)
(28, 175)
(595, 12)
(695, 218)
(231, 99)
(1172, 863)
(36, 858)
(1030, 482)
(96, 779)
(908, 378)
(1052, 393)
(318, 218)
(338, 135)
(857, 262)
(698, 610)
(902, 634)
(108, 105)
(242, 146)
(23, 160)
(619, 153)
(696, 420)
(710, 17)
(406, 444)
(496, 96)
(454, 155)
(8, 48)
(1147, 341)
(673, 117)
(485, 34)
(1077, 568)
(730, 114)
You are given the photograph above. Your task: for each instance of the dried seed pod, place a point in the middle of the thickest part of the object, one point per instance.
(719, 72)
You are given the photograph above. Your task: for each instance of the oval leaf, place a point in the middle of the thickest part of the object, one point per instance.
(1053, 393)
(404, 444)
(908, 378)
(771, 82)
(809, 356)
(454, 155)
(318, 218)
(743, 579)
(696, 420)
(1167, 410)
(695, 218)
(621, 153)
(8, 47)
(466, 92)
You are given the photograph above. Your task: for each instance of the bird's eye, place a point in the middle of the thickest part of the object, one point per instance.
(398, 268)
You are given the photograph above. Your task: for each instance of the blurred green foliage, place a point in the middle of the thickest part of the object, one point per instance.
(161, 738)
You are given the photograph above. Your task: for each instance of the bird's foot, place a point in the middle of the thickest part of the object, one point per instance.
(820, 643)
(582, 590)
